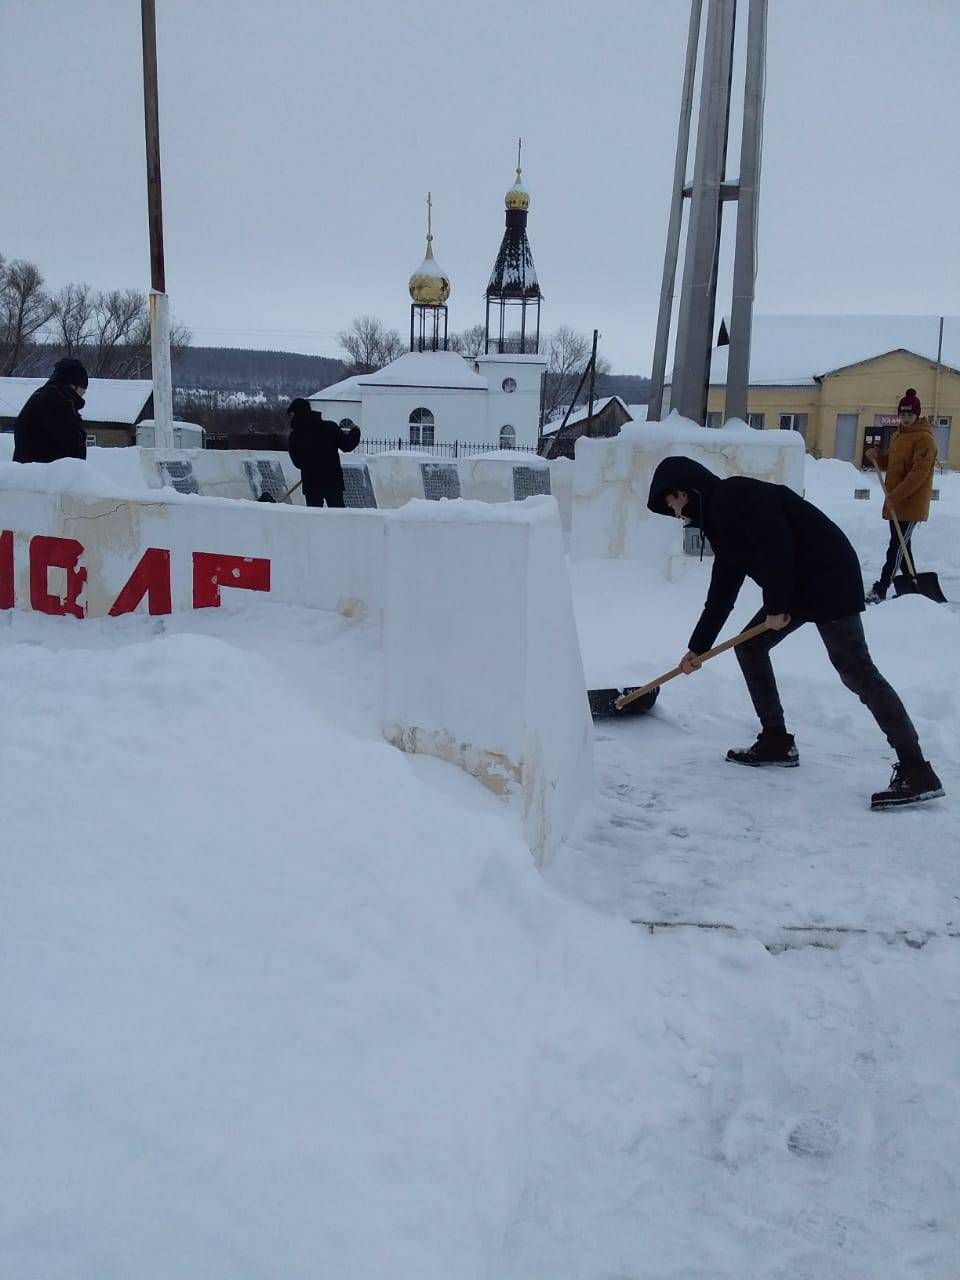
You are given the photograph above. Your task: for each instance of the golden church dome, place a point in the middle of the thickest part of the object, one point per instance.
(518, 197)
(429, 285)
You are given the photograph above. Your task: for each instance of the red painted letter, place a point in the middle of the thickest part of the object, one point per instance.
(211, 572)
(6, 570)
(56, 553)
(151, 578)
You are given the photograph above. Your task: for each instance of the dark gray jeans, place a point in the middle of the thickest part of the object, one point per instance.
(847, 649)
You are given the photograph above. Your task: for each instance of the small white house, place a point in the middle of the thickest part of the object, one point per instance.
(438, 397)
(112, 406)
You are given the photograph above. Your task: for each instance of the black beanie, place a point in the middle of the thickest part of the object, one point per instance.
(298, 406)
(70, 372)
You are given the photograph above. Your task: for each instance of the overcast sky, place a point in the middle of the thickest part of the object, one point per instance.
(299, 140)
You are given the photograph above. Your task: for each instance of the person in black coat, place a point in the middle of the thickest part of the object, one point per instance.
(315, 446)
(49, 425)
(808, 572)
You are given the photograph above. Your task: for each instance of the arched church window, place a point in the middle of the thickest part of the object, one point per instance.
(508, 384)
(421, 427)
(347, 423)
(508, 437)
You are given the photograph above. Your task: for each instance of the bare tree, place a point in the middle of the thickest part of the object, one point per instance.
(369, 345)
(567, 355)
(25, 308)
(120, 322)
(470, 342)
(73, 309)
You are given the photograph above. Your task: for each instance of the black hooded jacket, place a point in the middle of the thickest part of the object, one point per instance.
(315, 446)
(802, 561)
(49, 426)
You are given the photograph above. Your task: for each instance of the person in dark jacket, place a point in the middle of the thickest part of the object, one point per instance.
(808, 572)
(49, 425)
(315, 446)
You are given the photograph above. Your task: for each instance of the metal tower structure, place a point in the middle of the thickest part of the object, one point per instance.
(707, 192)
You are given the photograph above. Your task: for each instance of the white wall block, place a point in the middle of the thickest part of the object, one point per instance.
(612, 481)
(319, 560)
(561, 486)
(482, 663)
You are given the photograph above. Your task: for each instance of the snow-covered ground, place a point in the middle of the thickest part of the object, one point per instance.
(279, 1001)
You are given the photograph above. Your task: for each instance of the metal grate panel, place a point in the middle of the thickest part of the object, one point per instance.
(529, 482)
(265, 476)
(357, 486)
(179, 475)
(440, 480)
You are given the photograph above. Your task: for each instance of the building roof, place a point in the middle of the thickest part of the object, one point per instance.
(579, 415)
(446, 369)
(788, 351)
(348, 389)
(119, 400)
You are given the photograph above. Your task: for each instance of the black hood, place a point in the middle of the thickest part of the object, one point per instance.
(300, 408)
(675, 474)
(69, 373)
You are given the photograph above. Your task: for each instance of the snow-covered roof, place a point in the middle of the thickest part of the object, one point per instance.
(582, 413)
(445, 369)
(795, 350)
(348, 389)
(118, 400)
(427, 369)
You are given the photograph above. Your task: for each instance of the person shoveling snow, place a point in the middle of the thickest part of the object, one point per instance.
(808, 572)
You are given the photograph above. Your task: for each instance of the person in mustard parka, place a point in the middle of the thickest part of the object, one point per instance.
(909, 461)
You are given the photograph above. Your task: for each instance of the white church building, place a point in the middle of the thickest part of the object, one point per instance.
(431, 395)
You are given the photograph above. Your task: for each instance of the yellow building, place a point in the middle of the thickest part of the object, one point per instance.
(837, 379)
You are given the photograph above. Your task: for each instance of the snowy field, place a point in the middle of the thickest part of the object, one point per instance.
(281, 1003)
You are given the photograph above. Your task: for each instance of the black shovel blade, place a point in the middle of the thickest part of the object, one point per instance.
(924, 584)
(603, 702)
(266, 497)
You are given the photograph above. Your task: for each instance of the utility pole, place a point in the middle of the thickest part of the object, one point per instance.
(659, 372)
(159, 302)
(593, 374)
(707, 192)
(745, 254)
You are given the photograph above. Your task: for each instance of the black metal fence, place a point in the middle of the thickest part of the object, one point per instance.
(446, 449)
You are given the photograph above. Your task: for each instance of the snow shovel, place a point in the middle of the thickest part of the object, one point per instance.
(267, 497)
(618, 702)
(910, 583)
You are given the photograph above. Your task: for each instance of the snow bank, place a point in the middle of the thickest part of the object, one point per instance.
(612, 481)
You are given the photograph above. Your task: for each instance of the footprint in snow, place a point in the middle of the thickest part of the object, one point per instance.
(814, 1137)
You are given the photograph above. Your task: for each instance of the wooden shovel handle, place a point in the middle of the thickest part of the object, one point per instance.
(896, 522)
(625, 699)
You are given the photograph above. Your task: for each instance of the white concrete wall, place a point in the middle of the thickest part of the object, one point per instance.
(520, 408)
(478, 599)
(340, 410)
(458, 414)
(612, 481)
